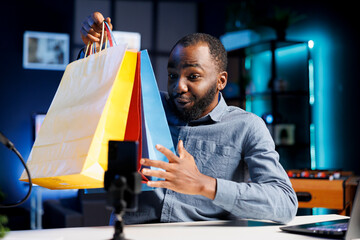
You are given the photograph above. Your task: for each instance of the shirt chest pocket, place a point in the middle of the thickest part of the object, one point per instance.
(212, 159)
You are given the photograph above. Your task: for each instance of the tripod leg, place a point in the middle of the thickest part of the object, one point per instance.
(119, 228)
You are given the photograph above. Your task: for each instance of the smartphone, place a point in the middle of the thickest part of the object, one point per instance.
(123, 162)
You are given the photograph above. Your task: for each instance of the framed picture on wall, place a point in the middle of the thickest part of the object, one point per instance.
(43, 50)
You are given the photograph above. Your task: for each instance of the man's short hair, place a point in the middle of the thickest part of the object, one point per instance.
(216, 48)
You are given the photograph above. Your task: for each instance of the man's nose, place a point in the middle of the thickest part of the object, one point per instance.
(181, 85)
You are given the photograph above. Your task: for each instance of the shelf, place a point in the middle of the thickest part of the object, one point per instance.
(269, 93)
(281, 93)
(287, 103)
(263, 46)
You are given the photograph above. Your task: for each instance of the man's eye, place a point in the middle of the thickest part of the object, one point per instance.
(193, 76)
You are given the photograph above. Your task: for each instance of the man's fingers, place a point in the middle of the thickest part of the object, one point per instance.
(86, 37)
(89, 33)
(85, 25)
(97, 19)
(85, 30)
(181, 150)
(94, 22)
(167, 152)
(157, 173)
(155, 163)
(159, 184)
(94, 34)
(108, 20)
(91, 27)
(183, 153)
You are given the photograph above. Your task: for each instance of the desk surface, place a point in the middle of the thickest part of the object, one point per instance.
(192, 230)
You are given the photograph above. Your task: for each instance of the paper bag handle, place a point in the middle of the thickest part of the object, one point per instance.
(109, 40)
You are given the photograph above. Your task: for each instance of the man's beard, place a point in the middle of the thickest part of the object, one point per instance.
(199, 106)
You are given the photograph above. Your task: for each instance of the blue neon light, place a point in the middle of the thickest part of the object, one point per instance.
(311, 44)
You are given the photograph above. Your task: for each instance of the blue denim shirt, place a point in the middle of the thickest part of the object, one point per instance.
(236, 148)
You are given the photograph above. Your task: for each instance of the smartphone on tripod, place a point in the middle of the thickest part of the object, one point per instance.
(123, 164)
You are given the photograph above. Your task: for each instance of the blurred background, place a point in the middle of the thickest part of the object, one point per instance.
(294, 63)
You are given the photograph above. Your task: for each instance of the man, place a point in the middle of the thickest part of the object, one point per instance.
(226, 165)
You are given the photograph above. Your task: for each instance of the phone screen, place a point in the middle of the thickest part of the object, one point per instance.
(123, 161)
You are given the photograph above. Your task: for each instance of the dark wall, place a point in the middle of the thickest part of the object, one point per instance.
(25, 91)
(334, 26)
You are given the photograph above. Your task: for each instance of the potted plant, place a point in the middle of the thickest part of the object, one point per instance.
(3, 221)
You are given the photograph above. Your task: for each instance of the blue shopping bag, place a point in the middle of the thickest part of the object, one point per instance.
(155, 127)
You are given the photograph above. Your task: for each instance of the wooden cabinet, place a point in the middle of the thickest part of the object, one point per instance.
(337, 194)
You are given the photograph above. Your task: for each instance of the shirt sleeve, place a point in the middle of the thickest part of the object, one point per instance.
(269, 195)
(81, 54)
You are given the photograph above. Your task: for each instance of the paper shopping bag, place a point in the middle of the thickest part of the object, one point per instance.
(155, 127)
(133, 127)
(90, 108)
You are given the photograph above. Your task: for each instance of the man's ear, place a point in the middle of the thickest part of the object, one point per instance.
(222, 80)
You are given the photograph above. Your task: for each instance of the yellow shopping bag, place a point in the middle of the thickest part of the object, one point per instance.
(90, 108)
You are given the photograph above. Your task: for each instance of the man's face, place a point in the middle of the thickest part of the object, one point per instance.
(192, 81)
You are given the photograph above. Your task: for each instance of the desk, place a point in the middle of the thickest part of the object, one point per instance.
(213, 230)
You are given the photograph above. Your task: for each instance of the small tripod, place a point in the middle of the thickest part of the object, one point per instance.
(122, 182)
(116, 198)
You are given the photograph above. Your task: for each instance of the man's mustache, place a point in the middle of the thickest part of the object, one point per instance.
(181, 96)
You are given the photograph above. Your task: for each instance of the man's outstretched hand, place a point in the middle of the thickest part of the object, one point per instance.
(181, 173)
(91, 28)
